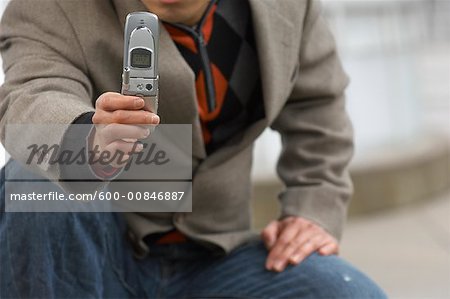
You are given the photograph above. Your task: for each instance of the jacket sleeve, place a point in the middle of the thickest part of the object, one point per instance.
(317, 136)
(46, 82)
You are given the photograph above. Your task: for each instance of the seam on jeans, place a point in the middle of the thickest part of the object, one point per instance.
(117, 271)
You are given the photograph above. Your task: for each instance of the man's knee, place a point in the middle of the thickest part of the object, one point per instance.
(332, 277)
(242, 273)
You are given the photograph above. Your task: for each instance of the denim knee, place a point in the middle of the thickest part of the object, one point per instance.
(332, 277)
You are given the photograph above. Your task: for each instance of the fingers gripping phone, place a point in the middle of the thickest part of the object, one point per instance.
(140, 63)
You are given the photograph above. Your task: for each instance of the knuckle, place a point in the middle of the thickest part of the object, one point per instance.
(319, 239)
(308, 224)
(96, 119)
(296, 242)
(302, 223)
(332, 239)
(272, 225)
(328, 240)
(315, 244)
(308, 246)
(283, 257)
(315, 229)
(118, 116)
(98, 102)
(275, 255)
(290, 219)
(103, 101)
(109, 94)
(283, 241)
(106, 101)
(298, 220)
(300, 254)
(328, 250)
(291, 247)
(305, 250)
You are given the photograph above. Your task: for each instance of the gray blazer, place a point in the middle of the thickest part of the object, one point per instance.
(51, 51)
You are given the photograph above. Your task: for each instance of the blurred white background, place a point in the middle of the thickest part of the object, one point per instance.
(397, 54)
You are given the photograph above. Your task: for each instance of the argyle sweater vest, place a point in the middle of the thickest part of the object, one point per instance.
(221, 52)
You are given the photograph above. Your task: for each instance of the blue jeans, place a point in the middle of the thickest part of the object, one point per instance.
(86, 255)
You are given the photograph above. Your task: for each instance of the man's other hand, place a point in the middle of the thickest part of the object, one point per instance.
(120, 121)
(293, 239)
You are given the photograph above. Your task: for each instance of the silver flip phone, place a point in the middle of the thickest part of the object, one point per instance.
(140, 63)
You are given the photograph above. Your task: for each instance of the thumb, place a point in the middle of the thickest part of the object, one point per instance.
(270, 234)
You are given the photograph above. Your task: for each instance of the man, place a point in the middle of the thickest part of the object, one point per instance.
(268, 64)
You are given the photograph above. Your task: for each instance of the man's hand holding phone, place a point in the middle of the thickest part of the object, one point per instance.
(120, 122)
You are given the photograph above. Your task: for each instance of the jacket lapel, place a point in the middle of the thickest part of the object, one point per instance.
(177, 103)
(277, 50)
